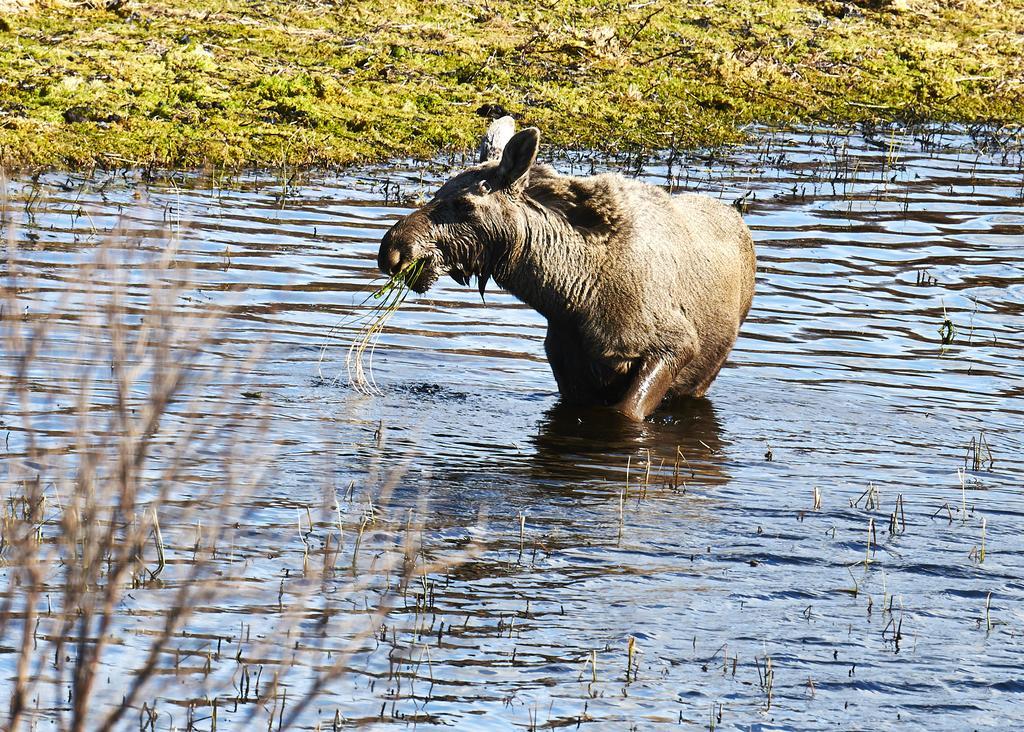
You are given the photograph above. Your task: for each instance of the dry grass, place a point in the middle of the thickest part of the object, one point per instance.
(131, 466)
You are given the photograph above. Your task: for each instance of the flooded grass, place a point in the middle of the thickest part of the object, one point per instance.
(832, 539)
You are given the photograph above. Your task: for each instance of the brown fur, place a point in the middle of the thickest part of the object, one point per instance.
(624, 273)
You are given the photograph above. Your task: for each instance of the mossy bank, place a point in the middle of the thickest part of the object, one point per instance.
(232, 84)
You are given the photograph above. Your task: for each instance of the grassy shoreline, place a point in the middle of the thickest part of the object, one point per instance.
(235, 84)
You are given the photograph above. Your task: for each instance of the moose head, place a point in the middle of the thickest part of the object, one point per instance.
(465, 229)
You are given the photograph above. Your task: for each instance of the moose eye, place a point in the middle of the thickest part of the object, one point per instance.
(482, 188)
(462, 205)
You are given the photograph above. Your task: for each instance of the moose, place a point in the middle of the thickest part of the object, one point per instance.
(643, 292)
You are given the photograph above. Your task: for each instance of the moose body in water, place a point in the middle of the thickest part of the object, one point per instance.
(644, 293)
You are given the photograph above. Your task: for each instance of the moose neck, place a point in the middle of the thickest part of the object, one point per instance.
(548, 264)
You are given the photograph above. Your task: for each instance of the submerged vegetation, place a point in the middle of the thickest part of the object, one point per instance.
(235, 84)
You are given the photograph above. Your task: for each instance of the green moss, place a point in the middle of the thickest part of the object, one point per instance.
(181, 83)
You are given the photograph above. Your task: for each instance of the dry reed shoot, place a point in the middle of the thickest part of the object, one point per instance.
(141, 496)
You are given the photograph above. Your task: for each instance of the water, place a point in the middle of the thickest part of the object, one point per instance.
(695, 534)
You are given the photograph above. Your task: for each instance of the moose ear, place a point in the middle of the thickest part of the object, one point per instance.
(520, 153)
(494, 140)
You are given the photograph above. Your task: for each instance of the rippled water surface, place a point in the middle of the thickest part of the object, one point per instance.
(695, 534)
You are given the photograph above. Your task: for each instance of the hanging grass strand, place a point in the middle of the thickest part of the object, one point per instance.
(386, 301)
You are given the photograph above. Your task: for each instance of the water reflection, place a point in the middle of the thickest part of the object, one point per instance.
(683, 440)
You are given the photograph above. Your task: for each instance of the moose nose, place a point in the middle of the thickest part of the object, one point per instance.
(402, 241)
(392, 261)
(389, 257)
